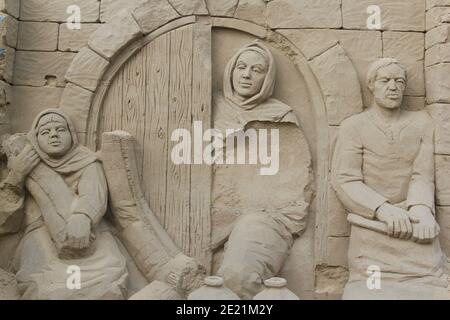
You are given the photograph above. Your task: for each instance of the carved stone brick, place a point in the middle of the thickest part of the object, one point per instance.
(438, 83)
(74, 101)
(75, 39)
(437, 35)
(87, 69)
(329, 67)
(186, 8)
(29, 101)
(109, 8)
(13, 7)
(437, 3)
(154, 14)
(396, 15)
(441, 117)
(38, 36)
(304, 14)
(56, 11)
(442, 183)
(224, 8)
(111, 37)
(440, 53)
(436, 17)
(41, 68)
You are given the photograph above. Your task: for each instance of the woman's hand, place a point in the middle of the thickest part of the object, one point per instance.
(78, 231)
(22, 164)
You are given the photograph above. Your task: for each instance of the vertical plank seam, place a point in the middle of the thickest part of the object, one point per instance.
(169, 47)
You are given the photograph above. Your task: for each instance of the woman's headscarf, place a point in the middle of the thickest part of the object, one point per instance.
(268, 84)
(78, 156)
(232, 113)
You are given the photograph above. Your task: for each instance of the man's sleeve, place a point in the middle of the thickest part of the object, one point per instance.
(92, 197)
(421, 188)
(347, 175)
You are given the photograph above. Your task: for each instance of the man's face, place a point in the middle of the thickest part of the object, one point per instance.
(249, 74)
(389, 86)
(54, 138)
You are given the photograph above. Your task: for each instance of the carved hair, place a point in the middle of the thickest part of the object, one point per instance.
(377, 65)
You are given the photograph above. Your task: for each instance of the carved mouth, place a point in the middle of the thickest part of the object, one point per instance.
(55, 143)
(245, 84)
(393, 95)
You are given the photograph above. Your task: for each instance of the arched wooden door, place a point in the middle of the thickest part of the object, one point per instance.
(167, 86)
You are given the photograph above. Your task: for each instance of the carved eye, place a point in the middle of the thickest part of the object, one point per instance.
(61, 129)
(400, 81)
(257, 70)
(44, 132)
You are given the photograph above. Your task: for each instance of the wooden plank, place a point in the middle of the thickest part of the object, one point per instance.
(201, 174)
(133, 103)
(177, 219)
(111, 113)
(156, 119)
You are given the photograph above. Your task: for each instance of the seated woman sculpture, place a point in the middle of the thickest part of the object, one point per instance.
(256, 228)
(56, 194)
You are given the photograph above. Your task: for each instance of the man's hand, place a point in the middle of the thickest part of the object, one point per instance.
(78, 231)
(426, 228)
(22, 164)
(397, 220)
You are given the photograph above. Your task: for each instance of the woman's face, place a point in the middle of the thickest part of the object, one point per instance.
(54, 137)
(249, 74)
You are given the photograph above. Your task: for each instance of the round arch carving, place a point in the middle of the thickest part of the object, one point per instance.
(113, 44)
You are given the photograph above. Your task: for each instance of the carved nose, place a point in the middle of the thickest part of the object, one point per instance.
(246, 74)
(392, 84)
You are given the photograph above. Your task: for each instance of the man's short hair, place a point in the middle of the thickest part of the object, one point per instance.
(377, 65)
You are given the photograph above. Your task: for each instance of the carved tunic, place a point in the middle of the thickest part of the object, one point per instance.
(259, 228)
(374, 163)
(88, 184)
(55, 190)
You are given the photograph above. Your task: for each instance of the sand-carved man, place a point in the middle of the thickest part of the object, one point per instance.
(383, 171)
(262, 227)
(56, 194)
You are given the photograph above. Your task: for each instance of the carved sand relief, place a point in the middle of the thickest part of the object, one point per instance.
(172, 100)
(158, 69)
(383, 172)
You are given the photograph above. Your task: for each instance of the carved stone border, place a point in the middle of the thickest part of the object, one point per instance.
(93, 68)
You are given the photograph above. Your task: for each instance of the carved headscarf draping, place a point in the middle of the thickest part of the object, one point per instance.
(77, 158)
(232, 113)
(268, 84)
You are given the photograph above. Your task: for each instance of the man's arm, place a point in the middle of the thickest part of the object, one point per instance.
(421, 188)
(420, 200)
(347, 176)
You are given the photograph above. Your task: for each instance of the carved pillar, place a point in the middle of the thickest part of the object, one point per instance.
(437, 70)
(8, 30)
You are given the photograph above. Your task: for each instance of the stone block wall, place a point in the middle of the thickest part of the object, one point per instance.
(437, 71)
(417, 32)
(9, 14)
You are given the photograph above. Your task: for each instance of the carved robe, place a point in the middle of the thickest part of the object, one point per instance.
(54, 190)
(257, 228)
(376, 163)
